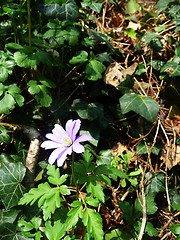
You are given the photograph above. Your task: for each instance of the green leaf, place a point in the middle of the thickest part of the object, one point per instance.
(94, 6)
(26, 57)
(55, 232)
(68, 10)
(155, 183)
(105, 157)
(132, 6)
(94, 70)
(151, 36)
(4, 136)
(175, 228)
(64, 190)
(127, 209)
(151, 207)
(11, 176)
(149, 229)
(8, 216)
(33, 87)
(73, 215)
(8, 232)
(49, 198)
(7, 103)
(93, 221)
(54, 174)
(144, 106)
(117, 234)
(91, 201)
(80, 57)
(87, 110)
(95, 188)
(142, 149)
(40, 91)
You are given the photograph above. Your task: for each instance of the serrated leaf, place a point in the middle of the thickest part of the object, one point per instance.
(11, 176)
(95, 188)
(55, 232)
(94, 70)
(91, 201)
(105, 157)
(149, 229)
(80, 57)
(64, 190)
(151, 207)
(54, 174)
(144, 106)
(49, 198)
(93, 221)
(74, 215)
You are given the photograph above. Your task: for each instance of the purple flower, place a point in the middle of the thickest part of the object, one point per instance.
(65, 141)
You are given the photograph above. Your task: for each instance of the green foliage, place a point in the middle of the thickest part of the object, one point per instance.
(48, 198)
(11, 176)
(144, 106)
(92, 220)
(54, 57)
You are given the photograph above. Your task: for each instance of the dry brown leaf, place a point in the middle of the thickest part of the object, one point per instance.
(133, 25)
(118, 148)
(115, 74)
(171, 156)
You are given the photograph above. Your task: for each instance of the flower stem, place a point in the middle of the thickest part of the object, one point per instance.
(73, 175)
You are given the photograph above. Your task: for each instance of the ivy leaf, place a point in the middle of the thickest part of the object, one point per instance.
(144, 106)
(49, 198)
(8, 232)
(11, 176)
(94, 70)
(74, 214)
(155, 183)
(142, 149)
(68, 10)
(87, 110)
(4, 136)
(8, 216)
(94, 6)
(93, 221)
(55, 232)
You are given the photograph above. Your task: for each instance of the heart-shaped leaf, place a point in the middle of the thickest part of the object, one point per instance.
(144, 106)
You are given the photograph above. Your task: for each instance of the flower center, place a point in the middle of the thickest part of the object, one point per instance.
(66, 141)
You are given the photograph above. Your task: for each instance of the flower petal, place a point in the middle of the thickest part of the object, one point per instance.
(51, 145)
(62, 156)
(83, 138)
(54, 155)
(59, 131)
(72, 128)
(53, 137)
(77, 147)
